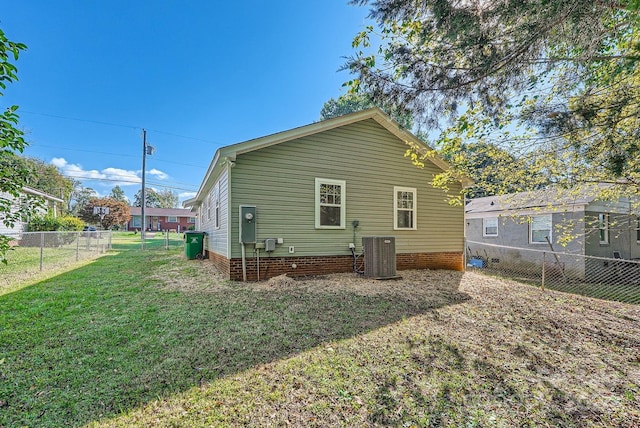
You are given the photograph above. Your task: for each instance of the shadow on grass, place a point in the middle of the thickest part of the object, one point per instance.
(107, 338)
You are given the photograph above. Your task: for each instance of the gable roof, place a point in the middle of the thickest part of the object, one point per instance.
(162, 212)
(545, 199)
(227, 155)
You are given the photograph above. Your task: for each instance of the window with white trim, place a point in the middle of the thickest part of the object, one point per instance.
(136, 221)
(404, 212)
(603, 228)
(490, 226)
(540, 229)
(638, 231)
(172, 219)
(191, 220)
(330, 203)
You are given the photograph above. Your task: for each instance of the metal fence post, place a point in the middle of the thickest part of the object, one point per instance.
(77, 246)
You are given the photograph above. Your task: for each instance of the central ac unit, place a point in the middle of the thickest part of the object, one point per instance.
(379, 256)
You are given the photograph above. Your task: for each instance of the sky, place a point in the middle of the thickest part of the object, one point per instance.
(196, 75)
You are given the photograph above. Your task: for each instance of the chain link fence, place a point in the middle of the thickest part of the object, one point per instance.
(34, 252)
(158, 240)
(600, 277)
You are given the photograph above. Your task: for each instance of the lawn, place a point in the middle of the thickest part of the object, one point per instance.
(152, 339)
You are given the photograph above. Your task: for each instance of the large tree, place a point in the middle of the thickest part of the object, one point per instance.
(80, 198)
(167, 198)
(44, 176)
(11, 141)
(351, 103)
(119, 212)
(151, 197)
(164, 198)
(118, 194)
(552, 82)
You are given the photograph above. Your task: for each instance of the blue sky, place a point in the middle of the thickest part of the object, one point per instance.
(197, 75)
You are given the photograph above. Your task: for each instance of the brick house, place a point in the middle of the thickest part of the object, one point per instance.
(172, 219)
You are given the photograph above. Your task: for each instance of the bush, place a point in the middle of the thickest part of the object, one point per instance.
(48, 223)
(71, 223)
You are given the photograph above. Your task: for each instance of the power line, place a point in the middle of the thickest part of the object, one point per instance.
(124, 180)
(113, 154)
(81, 120)
(121, 126)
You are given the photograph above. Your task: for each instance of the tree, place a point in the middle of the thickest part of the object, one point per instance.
(118, 194)
(551, 82)
(119, 212)
(151, 196)
(81, 197)
(11, 141)
(351, 103)
(167, 199)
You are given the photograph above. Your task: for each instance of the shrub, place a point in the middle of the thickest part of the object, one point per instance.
(48, 223)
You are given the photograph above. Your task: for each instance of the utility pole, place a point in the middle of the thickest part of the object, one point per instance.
(146, 150)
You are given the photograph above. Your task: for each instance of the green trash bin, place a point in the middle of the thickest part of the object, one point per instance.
(193, 244)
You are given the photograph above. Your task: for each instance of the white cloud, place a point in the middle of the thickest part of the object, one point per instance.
(110, 176)
(186, 195)
(159, 174)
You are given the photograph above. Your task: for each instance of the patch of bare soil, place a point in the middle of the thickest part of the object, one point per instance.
(190, 276)
(413, 285)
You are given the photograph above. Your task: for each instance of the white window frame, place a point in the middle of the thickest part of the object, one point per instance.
(413, 210)
(135, 223)
(548, 218)
(603, 228)
(216, 205)
(638, 231)
(342, 205)
(487, 223)
(191, 220)
(172, 219)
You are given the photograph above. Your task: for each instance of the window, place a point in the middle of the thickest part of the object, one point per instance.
(404, 214)
(191, 220)
(638, 230)
(216, 205)
(330, 203)
(136, 221)
(489, 227)
(172, 219)
(603, 228)
(540, 229)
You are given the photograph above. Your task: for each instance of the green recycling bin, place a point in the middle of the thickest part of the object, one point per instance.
(193, 244)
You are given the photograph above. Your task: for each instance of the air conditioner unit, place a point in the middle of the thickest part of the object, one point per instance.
(379, 256)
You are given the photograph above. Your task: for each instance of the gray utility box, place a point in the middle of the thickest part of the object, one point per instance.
(379, 256)
(247, 224)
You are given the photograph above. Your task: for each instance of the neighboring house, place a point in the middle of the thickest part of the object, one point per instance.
(526, 220)
(314, 190)
(48, 206)
(173, 219)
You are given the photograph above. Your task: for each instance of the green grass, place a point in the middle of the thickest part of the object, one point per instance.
(154, 241)
(152, 339)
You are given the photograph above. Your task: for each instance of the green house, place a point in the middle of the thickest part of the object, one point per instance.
(300, 201)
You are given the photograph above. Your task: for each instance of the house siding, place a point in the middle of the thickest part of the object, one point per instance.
(217, 238)
(280, 181)
(622, 236)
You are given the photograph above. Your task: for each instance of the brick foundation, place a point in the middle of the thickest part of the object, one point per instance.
(319, 265)
(220, 262)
